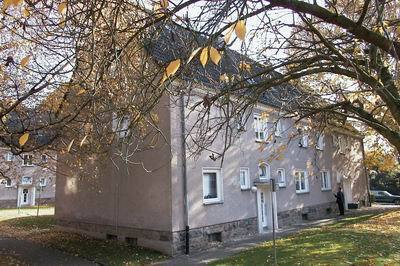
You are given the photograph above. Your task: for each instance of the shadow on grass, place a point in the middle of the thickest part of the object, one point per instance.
(42, 230)
(31, 222)
(330, 245)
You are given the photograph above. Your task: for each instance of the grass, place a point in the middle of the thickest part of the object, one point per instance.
(363, 240)
(43, 231)
(6, 214)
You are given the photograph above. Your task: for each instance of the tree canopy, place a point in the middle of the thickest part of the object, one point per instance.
(76, 63)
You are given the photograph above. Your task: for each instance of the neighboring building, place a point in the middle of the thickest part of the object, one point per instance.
(213, 202)
(27, 179)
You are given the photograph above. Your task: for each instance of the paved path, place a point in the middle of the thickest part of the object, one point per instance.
(35, 254)
(202, 258)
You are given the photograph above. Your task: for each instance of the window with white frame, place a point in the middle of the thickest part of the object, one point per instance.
(26, 180)
(27, 160)
(281, 177)
(244, 176)
(44, 158)
(120, 125)
(212, 185)
(42, 182)
(325, 180)
(320, 142)
(303, 142)
(264, 171)
(260, 127)
(9, 157)
(7, 182)
(301, 181)
(279, 128)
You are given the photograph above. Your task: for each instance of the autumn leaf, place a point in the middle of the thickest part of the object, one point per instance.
(164, 3)
(82, 91)
(23, 139)
(25, 12)
(215, 55)
(173, 67)
(240, 29)
(8, 3)
(193, 54)
(228, 34)
(70, 145)
(25, 61)
(204, 56)
(62, 8)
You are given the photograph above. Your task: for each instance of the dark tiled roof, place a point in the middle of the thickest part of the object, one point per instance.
(170, 42)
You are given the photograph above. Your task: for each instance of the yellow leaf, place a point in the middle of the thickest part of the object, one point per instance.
(83, 140)
(7, 4)
(172, 67)
(82, 91)
(193, 54)
(17, 2)
(224, 78)
(204, 56)
(240, 29)
(25, 12)
(62, 8)
(164, 3)
(23, 139)
(215, 55)
(25, 61)
(228, 35)
(164, 78)
(70, 145)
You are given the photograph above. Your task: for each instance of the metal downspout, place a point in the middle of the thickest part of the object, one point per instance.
(184, 174)
(366, 173)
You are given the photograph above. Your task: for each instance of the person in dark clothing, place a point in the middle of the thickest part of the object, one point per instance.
(340, 200)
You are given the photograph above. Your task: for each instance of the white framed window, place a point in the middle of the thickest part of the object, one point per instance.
(212, 185)
(244, 176)
(27, 160)
(325, 180)
(281, 177)
(303, 142)
(320, 142)
(6, 182)
(301, 181)
(9, 157)
(279, 128)
(264, 171)
(26, 180)
(42, 182)
(120, 125)
(44, 158)
(260, 127)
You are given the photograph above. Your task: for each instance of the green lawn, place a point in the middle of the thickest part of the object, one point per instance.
(42, 230)
(363, 240)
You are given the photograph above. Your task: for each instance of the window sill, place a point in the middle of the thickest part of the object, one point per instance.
(27, 165)
(326, 189)
(302, 192)
(282, 185)
(245, 189)
(261, 141)
(213, 202)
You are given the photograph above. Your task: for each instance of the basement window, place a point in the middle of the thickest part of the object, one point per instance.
(215, 237)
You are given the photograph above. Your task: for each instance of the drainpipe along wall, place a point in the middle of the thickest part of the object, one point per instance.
(184, 174)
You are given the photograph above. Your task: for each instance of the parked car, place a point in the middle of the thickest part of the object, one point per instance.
(386, 197)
